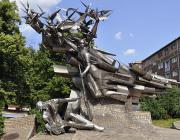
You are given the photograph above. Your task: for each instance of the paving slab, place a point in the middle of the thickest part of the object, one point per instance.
(19, 128)
(155, 133)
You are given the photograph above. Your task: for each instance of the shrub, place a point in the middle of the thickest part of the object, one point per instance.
(163, 106)
(152, 105)
(40, 125)
(1, 117)
(1, 123)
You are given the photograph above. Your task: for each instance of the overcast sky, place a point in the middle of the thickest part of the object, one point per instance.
(136, 28)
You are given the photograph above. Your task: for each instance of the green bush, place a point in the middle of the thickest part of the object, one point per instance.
(1, 118)
(163, 106)
(152, 105)
(40, 125)
(1, 123)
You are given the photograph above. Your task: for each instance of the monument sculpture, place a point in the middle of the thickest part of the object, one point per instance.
(94, 72)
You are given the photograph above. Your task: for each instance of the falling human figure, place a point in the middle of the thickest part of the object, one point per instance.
(57, 124)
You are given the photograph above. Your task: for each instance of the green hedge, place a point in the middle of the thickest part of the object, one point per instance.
(1, 123)
(163, 106)
(1, 118)
(40, 125)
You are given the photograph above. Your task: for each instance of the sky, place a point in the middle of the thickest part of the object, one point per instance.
(135, 29)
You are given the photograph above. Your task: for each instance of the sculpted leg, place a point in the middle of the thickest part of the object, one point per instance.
(82, 123)
(73, 107)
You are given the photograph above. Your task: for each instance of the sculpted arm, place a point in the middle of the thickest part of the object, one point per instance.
(57, 101)
(86, 70)
(87, 59)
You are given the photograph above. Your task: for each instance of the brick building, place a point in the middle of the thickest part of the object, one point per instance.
(165, 62)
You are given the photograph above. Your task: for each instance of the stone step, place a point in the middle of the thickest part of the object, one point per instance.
(176, 125)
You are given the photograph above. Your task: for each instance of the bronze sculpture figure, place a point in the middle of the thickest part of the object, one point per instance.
(94, 71)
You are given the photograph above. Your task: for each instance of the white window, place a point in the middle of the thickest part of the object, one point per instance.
(174, 73)
(160, 65)
(167, 66)
(150, 62)
(173, 47)
(174, 60)
(154, 63)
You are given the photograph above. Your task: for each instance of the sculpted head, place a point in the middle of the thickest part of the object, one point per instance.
(40, 105)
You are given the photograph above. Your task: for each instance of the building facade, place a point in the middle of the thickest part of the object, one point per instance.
(165, 62)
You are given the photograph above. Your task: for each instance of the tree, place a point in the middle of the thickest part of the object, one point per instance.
(44, 84)
(14, 56)
(8, 17)
(26, 74)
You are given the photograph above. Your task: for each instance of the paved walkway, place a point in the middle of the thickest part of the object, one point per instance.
(19, 128)
(22, 129)
(155, 133)
(10, 114)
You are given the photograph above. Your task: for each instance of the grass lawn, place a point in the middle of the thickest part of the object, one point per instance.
(165, 123)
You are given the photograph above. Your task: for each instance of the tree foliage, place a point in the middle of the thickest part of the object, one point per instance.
(11, 43)
(39, 120)
(164, 106)
(14, 56)
(44, 84)
(1, 118)
(8, 17)
(26, 74)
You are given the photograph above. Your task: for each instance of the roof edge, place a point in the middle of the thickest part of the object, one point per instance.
(161, 49)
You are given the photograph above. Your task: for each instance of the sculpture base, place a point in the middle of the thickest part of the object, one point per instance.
(111, 113)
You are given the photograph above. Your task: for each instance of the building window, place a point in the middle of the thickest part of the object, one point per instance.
(150, 62)
(160, 54)
(167, 66)
(173, 47)
(166, 51)
(174, 60)
(174, 73)
(160, 65)
(154, 63)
